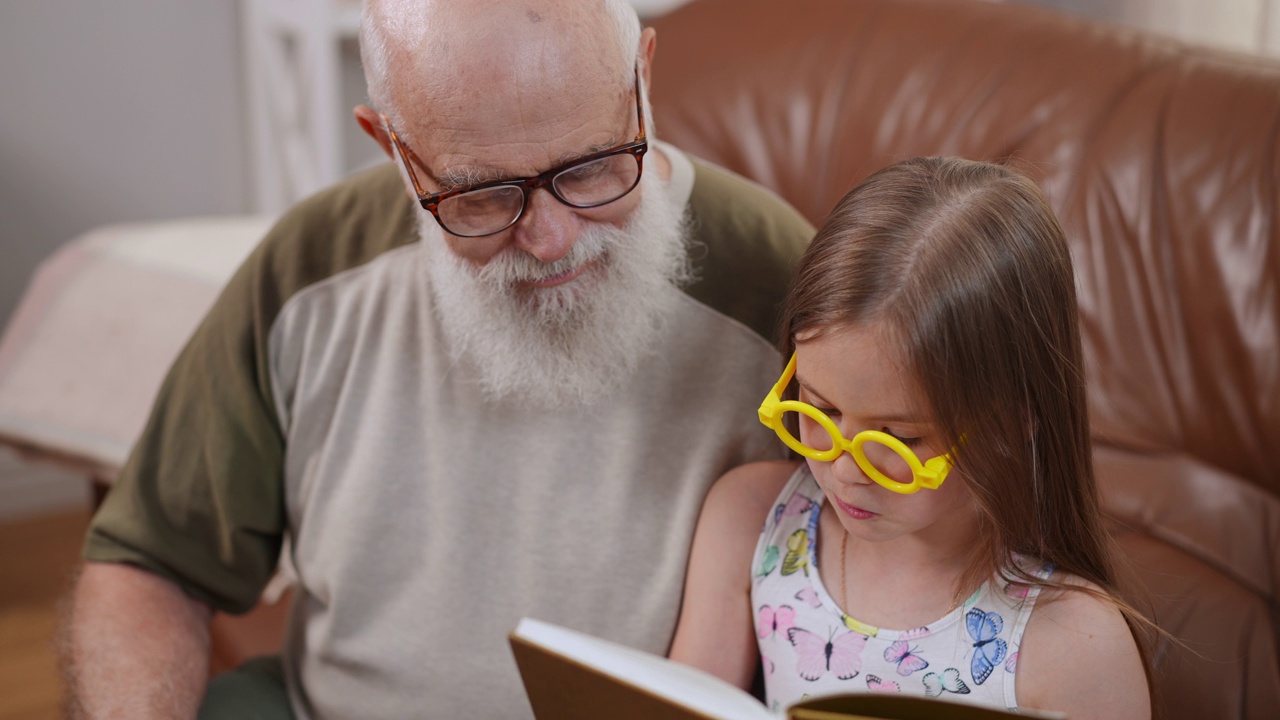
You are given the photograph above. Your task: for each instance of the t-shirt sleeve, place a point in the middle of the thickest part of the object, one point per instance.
(746, 241)
(200, 500)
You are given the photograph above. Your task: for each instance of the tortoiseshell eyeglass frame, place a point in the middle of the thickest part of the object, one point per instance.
(431, 201)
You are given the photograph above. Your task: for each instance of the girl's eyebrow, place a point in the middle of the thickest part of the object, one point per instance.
(818, 398)
(809, 389)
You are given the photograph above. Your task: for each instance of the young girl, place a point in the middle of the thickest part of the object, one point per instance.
(942, 535)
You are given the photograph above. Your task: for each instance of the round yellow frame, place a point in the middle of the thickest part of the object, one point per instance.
(924, 475)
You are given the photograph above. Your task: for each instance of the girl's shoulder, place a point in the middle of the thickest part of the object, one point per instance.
(1078, 638)
(750, 490)
(1075, 603)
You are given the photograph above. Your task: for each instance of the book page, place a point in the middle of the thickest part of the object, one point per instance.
(702, 693)
(569, 674)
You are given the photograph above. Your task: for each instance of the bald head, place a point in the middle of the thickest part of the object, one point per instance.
(443, 56)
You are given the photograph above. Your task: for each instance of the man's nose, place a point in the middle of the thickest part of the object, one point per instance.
(548, 228)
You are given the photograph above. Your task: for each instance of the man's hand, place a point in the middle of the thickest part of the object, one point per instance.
(134, 645)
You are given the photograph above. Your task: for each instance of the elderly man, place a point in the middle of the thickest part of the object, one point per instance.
(494, 379)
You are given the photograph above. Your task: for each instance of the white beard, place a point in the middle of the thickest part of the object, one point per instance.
(564, 345)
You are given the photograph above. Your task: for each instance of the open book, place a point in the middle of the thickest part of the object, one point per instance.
(568, 674)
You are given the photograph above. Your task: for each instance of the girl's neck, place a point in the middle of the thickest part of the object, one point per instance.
(933, 554)
(914, 577)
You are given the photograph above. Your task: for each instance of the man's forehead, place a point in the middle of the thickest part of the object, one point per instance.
(506, 88)
(499, 137)
(451, 42)
(504, 82)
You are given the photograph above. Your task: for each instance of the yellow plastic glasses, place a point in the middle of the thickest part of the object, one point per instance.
(880, 455)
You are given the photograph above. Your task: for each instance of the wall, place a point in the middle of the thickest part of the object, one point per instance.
(1243, 25)
(113, 111)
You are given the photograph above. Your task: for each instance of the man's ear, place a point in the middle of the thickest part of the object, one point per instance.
(648, 42)
(371, 122)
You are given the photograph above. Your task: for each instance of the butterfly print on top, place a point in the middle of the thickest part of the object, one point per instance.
(810, 640)
(774, 620)
(901, 654)
(988, 649)
(947, 681)
(840, 653)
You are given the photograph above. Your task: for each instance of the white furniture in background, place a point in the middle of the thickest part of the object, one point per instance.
(293, 55)
(297, 75)
(97, 328)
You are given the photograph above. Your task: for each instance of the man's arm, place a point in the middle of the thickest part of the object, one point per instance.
(135, 646)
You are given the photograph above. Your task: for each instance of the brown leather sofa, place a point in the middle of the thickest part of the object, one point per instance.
(1161, 160)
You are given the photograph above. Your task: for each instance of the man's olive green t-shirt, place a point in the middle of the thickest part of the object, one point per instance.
(319, 400)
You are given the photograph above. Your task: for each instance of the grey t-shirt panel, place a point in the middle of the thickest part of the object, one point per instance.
(218, 475)
(426, 522)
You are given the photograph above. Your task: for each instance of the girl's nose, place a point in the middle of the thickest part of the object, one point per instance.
(845, 469)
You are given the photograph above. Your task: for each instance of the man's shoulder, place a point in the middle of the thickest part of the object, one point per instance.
(744, 243)
(739, 205)
(341, 227)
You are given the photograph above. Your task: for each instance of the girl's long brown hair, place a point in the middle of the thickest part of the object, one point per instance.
(965, 265)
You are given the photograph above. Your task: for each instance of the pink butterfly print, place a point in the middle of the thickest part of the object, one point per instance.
(1011, 665)
(900, 654)
(841, 654)
(797, 505)
(810, 596)
(875, 684)
(767, 663)
(770, 620)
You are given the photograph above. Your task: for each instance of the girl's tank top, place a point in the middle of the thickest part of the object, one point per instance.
(810, 647)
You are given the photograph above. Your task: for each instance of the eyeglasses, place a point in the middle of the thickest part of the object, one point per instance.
(881, 456)
(491, 207)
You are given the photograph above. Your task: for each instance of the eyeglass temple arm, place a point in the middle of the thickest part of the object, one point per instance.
(639, 104)
(404, 153)
(775, 395)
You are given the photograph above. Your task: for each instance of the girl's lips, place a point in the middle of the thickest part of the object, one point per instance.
(853, 511)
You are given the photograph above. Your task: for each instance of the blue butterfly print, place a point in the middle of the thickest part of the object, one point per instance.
(814, 511)
(988, 649)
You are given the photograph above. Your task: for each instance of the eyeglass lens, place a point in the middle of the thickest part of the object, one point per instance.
(590, 184)
(883, 457)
